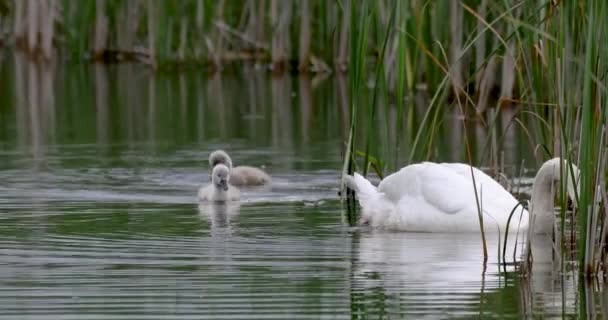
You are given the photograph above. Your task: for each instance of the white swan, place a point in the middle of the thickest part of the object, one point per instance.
(219, 190)
(241, 175)
(432, 197)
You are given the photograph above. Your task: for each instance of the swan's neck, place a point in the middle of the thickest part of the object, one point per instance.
(542, 205)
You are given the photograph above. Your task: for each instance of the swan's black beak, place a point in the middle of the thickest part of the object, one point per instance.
(570, 204)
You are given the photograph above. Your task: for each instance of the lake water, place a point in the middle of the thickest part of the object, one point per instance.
(99, 169)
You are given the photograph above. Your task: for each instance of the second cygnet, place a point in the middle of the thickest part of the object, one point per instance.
(241, 175)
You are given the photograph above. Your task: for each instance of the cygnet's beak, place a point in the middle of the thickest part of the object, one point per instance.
(224, 184)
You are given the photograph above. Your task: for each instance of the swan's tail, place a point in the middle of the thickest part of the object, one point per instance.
(365, 190)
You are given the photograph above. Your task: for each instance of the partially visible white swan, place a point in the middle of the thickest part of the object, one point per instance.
(219, 189)
(440, 197)
(241, 175)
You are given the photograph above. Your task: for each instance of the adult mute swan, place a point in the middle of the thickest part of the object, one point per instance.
(439, 197)
(219, 190)
(241, 175)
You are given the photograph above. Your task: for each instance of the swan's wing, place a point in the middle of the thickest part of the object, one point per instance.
(438, 186)
(494, 195)
(444, 189)
(401, 183)
(441, 197)
(497, 202)
(481, 178)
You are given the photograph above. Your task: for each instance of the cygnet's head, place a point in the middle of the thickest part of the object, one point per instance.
(220, 176)
(219, 157)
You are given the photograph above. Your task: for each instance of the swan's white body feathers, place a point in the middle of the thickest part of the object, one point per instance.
(432, 197)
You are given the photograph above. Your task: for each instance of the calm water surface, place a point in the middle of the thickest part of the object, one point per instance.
(99, 169)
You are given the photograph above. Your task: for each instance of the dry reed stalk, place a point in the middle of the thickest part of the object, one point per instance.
(226, 29)
(274, 22)
(305, 35)
(480, 43)
(342, 59)
(260, 16)
(248, 19)
(216, 44)
(486, 83)
(390, 54)
(602, 256)
(199, 27)
(390, 72)
(47, 28)
(595, 210)
(508, 74)
(181, 51)
(18, 22)
(32, 25)
(331, 18)
(507, 83)
(280, 18)
(100, 38)
(251, 26)
(557, 141)
(127, 30)
(456, 31)
(485, 77)
(152, 23)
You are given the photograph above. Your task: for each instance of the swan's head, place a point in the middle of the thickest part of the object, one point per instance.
(220, 157)
(562, 169)
(220, 176)
(555, 169)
